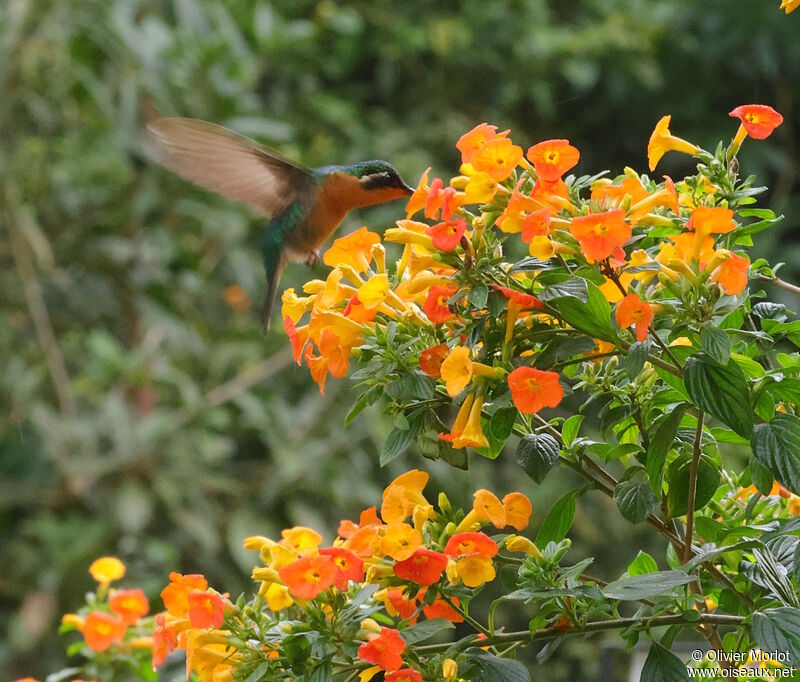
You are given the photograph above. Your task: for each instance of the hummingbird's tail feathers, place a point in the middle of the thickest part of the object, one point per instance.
(230, 164)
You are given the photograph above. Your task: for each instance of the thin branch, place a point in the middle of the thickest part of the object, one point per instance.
(34, 297)
(249, 377)
(780, 283)
(698, 435)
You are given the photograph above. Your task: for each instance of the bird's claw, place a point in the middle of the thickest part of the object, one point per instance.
(312, 259)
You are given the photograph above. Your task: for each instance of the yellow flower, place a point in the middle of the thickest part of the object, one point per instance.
(789, 6)
(107, 569)
(294, 306)
(518, 543)
(300, 539)
(472, 436)
(449, 669)
(402, 495)
(662, 141)
(278, 597)
(793, 505)
(458, 370)
(475, 570)
(369, 673)
(480, 188)
(400, 541)
(374, 292)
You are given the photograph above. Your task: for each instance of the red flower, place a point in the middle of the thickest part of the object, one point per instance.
(309, 575)
(599, 234)
(401, 604)
(130, 605)
(520, 298)
(164, 640)
(536, 224)
(175, 595)
(404, 675)
(632, 310)
(435, 198)
(205, 610)
(431, 359)
(471, 543)
(758, 120)
(446, 235)
(423, 567)
(385, 650)
(348, 566)
(435, 305)
(441, 609)
(532, 389)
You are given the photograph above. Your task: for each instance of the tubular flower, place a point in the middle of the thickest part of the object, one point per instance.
(404, 675)
(298, 337)
(497, 157)
(789, 6)
(435, 305)
(354, 249)
(613, 195)
(400, 541)
(706, 221)
(449, 670)
(384, 650)
(470, 542)
(423, 567)
(417, 201)
(348, 566)
(732, 273)
(295, 306)
(333, 358)
(278, 597)
(471, 142)
(409, 232)
(532, 389)
(447, 235)
(309, 575)
(486, 508)
(662, 141)
(107, 569)
(374, 292)
(552, 158)
(205, 610)
(536, 224)
(164, 641)
(667, 196)
(435, 198)
(397, 603)
(300, 539)
(758, 121)
(461, 419)
(130, 605)
(402, 495)
(358, 312)
(633, 311)
(600, 234)
(519, 543)
(176, 595)
(472, 435)
(458, 369)
(519, 205)
(480, 187)
(101, 630)
(517, 302)
(431, 359)
(475, 570)
(518, 510)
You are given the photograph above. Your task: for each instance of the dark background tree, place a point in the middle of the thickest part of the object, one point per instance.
(144, 414)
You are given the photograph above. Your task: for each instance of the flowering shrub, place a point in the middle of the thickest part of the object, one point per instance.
(636, 293)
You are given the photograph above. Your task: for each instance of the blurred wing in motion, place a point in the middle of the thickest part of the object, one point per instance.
(230, 164)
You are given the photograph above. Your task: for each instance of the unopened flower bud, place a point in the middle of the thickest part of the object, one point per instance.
(449, 669)
(519, 543)
(444, 503)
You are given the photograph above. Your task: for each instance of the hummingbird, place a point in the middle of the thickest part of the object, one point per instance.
(303, 206)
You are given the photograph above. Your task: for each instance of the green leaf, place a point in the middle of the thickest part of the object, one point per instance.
(678, 480)
(634, 496)
(501, 423)
(642, 564)
(716, 344)
(760, 475)
(592, 317)
(491, 668)
(425, 630)
(398, 441)
(258, 673)
(660, 445)
(633, 361)
(537, 453)
(576, 287)
(776, 445)
(558, 520)
(570, 429)
(778, 630)
(661, 665)
(720, 391)
(412, 384)
(356, 409)
(646, 585)
(478, 296)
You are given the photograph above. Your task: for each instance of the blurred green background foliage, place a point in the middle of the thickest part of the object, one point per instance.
(143, 414)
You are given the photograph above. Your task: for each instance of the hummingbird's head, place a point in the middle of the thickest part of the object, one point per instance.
(380, 176)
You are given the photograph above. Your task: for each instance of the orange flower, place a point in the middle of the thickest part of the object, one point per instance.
(519, 298)
(404, 675)
(333, 358)
(441, 609)
(402, 495)
(631, 311)
(758, 120)
(470, 543)
(348, 566)
(297, 337)
(471, 142)
(600, 234)
(518, 510)
(486, 507)
(397, 603)
(176, 594)
(532, 389)
(130, 605)
(732, 274)
(385, 650)
(205, 610)
(354, 249)
(420, 196)
(435, 198)
(553, 158)
(431, 359)
(705, 220)
(497, 157)
(107, 569)
(400, 541)
(101, 630)
(423, 567)
(435, 305)
(519, 205)
(789, 6)
(309, 575)
(447, 235)
(614, 194)
(536, 224)
(662, 141)
(164, 641)
(358, 312)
